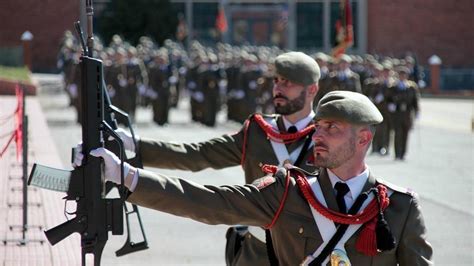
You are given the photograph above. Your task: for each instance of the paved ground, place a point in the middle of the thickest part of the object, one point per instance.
(439, 166)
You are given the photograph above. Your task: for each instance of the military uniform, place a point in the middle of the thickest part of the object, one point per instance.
(295, 233)
(159, 91)
(402, 103)
(209, 82)
(251, 147)
(250, 75)
(339, 81)
(378, 90)
(235, 93)
(221, 152)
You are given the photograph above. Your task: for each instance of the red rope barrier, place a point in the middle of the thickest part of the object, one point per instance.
(18, 130)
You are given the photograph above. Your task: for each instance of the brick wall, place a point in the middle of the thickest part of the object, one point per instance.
(47, 20)
(424, 27)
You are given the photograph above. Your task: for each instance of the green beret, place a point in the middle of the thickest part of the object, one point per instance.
(352, 107)
(297, 67)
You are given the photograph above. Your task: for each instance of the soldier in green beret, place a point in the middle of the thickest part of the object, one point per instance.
(264, 139)
(341, 213)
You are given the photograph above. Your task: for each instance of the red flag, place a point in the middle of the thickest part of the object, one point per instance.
(221, 20)
(19, 122)
(344, 29)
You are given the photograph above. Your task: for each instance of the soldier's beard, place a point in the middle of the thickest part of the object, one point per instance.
(292, 106)
(337, 156)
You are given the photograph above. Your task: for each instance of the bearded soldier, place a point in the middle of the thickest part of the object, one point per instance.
(341, 213)
(264, 139)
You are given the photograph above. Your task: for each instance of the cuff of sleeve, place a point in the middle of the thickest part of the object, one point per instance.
(131, 180)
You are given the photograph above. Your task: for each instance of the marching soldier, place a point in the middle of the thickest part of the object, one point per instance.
(322, 59)
(159, 73)
(377, 90)
(235, 93)
(343, 79)
(403, 107)
(116, 77)
(265, 88)
(134, 71)
(209, 78)
(342, 214)
(249, 77)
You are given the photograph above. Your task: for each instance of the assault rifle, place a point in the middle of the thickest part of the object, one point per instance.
(95, 214)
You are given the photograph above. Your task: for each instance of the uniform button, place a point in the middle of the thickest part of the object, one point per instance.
(249, 236)
(301, 230)
(260, 164)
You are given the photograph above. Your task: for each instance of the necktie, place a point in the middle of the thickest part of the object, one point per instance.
(292, 129)
(341, 191)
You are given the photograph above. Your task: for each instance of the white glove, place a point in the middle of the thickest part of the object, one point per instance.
(126, 138)
(112, 168)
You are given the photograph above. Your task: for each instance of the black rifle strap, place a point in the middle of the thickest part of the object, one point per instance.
(268, 237)
(341, 229)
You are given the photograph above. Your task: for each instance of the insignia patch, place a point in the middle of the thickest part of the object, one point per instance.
(264, 181)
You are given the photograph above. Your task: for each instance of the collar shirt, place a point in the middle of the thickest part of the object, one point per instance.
(301, 124)
(355, 184)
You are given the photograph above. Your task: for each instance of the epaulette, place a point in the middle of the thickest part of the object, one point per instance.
(264, 182)
(306, 173)
(413, 84)
(269, 179)
(397, 188)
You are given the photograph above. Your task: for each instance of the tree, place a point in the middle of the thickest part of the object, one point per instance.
(133, 19)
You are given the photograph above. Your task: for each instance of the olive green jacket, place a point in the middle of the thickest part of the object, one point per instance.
(295, 234)
(220, 152)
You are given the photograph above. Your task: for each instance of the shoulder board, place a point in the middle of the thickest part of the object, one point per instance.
(264, 182)
(306, 173)
(396, 188)
(413, 84)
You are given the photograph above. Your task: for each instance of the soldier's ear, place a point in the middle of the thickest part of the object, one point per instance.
(313, 89)
(364, 136)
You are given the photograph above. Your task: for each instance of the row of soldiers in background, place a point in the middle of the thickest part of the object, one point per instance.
(240, 79)
(149, 75)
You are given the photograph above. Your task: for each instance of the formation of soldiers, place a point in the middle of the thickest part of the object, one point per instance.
(239, 80)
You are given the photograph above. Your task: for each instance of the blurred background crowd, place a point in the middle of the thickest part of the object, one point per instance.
(238, 80)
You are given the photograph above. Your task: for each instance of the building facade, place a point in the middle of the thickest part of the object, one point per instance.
(394, 28)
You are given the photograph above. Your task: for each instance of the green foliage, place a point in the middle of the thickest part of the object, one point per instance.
(135, 18)
(15, 73)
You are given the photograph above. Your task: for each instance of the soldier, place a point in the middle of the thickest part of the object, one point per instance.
(116, 78)
(322, 59)
(343, 79)
(135, 72)
(235, 93)
(210, 76)
(292, 203)
(377, 90)
(250, 73)
(159, 74)
(265, 88)
(269, 139)
(402, 103)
